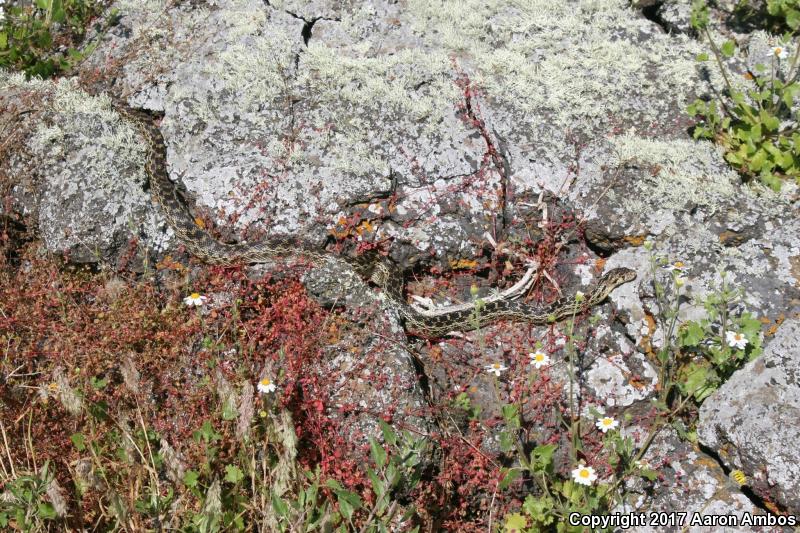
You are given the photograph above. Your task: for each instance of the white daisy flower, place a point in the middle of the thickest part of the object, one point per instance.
(606, 423)
(677, 266)
(584, 475)
(780, 52)
(265, 386)
(195, 299)
(496, 368)
(736, 340)
(539, 359)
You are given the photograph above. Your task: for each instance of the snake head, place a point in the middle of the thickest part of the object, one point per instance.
(611, 280)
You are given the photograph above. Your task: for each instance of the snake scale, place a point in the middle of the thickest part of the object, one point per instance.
(372, 267)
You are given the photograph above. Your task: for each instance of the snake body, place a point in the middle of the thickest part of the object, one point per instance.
(373, 267)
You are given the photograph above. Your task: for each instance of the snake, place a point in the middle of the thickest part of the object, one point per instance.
(372, 267)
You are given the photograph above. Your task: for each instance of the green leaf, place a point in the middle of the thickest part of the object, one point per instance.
(509, 475)
(728, 48)
(541, 509)
(755, 132)
(542, 456)
(378, 487)
(280, 506)
(771, 180)
(511, 416)
(507, 441)
(47, 511)
(699, 15)
(759, 161)
(206, 433)
(3, 40)
(79, 441)
(690, 334)
(98, 384)
(702, 57)
(348, 502)
(515, 523)
(696, 382)
(59, 15)
(99, 410)
(646, 473)
(378, 453)
(389, 434)
(770, 122)
(793, 19)
(190, 478)
(233, 474)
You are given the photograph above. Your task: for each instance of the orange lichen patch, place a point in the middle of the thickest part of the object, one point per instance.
(635, 240)
(342, 228)
(463, 264)
(365, 227)
(200, 223)
(599, 263)
(773, 327)
(636, 383)
(651, 328)
(168, 263)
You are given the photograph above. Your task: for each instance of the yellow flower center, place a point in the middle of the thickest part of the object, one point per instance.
(195, 296)
(678, 264)
(266, 382)
(607, 421)
(778, 50)
(584, 473)
(496, 366)
(538, 357)
(738, 337)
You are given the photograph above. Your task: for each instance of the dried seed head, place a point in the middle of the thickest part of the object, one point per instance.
(246, 412)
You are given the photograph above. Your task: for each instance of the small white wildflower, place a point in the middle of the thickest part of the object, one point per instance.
(579, 296)
(606, 423)
(584, 475)
(780, 52)
(539, 359)
(736, 340)
(677, 266)
(195, 299)
(265, 386)
(496, 368)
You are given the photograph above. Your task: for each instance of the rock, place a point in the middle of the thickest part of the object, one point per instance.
(753, 421)
(691, 488)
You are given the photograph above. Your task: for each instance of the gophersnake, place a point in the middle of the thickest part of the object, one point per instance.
(374, 267)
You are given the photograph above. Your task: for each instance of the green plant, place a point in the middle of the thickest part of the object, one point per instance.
(776, 16)
(756, 123)
(24, 501)
(711, 339)
(395, 472)
(553, 496)
(697, 356)
(32, 37)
